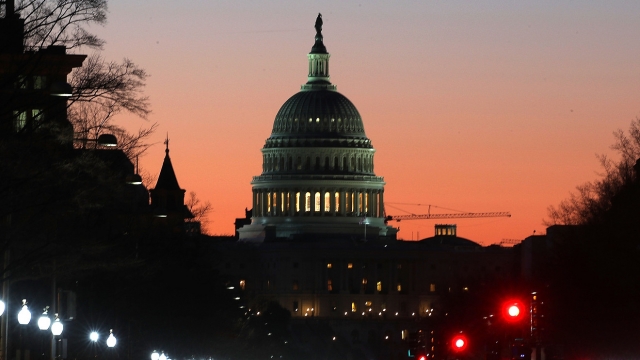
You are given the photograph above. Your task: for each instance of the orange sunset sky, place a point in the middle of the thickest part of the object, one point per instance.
(471, 105)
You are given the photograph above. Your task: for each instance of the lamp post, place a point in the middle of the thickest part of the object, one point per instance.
(24, 317)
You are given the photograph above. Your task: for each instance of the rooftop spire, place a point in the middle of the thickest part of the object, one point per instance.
(318, 77)
(318, 47)
(167, 178)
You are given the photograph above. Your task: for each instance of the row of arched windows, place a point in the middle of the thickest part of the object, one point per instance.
(341, 203)
(348, 163)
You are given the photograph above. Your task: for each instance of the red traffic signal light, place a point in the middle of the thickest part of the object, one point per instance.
(459, 343)
(422, 357)
(513, 311)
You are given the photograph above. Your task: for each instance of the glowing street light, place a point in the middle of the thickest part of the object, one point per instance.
(163, 356)
(155, 355)
(44, 321)
(94, 336)
(56, 327)
(24, 316)
(111, 340)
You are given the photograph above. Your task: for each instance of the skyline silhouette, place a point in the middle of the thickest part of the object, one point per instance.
(485, 107)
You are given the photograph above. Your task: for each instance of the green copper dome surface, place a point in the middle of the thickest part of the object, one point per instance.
(318, 118)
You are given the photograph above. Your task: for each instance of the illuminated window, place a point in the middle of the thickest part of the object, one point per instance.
(364, 281)
(366, 202)
(360, 202)
(275, 196)
(329, 265)
(39, 82)
(19, 120)
(349, 265)
(354, 307)
(399, 287)
(307, 202)
(432, 287)
(295, 285)
(283, 202)
(379, 286)
(268, 202)
(327, 202)
(37, 114)
(317, 202)
(405, 334)
(297, 202)
(22, 82)
(337, 202)
(329, 285)
(367, 303)
(242, 284)
(465, 289)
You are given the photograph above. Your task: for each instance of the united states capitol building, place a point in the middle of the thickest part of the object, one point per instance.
(316, 240)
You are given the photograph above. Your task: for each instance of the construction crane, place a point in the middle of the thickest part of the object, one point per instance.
(460, 215)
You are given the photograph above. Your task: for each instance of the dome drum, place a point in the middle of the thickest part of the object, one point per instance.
(317, 160)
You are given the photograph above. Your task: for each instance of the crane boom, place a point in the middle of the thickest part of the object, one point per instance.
(448, 216)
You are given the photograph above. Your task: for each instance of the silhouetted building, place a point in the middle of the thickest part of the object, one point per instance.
(167, 200)
(33, 84)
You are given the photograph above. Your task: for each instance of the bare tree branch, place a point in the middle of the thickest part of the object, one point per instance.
(60, 22)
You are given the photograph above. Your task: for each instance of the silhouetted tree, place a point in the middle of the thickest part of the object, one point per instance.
(594, 275)
(61, 22)
(199, 210)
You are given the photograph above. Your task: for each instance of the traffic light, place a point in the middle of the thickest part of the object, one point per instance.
(422, 357)
(459, 343)
(513, 311)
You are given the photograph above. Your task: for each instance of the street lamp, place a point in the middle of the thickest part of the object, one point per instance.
(111, 340)
(24, 316)
(56, 327)
(155, 355)
(44, 321)
(94, 336)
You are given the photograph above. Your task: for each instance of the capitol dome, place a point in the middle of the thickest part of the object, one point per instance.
(320, 117)
(317, 170)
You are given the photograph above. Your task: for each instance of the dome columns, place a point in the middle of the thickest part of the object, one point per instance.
(325, 202)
